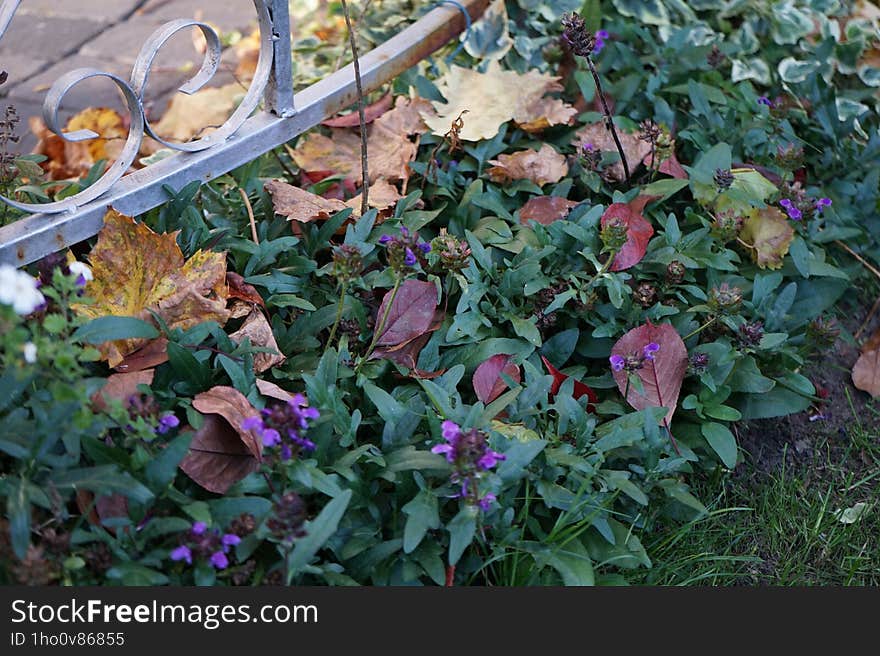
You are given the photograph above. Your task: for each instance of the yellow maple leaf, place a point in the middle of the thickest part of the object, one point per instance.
(137, 270)
(66, 159)
(495, 97)
(768, 235)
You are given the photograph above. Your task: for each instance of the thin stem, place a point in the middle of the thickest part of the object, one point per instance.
(365, 170)
(381, 325)
(700, 329)
(864, 262)
(609, 120)
(250, 213)
(343, 290)
(660, 401)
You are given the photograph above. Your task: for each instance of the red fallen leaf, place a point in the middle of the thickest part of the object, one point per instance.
(545, 209)
(371, 113)
(662, 379)
(241, 290)
(106, 506)
(154, 353)
(580, 389)
(406, 354)
(335, 191)
(221, 452)
(411, 315)
(487, 380)
(121, 387)
(671, 166)
(638, 234)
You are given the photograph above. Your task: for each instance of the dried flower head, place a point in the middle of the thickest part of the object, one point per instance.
(288, 517)
(645, 294)
(347, 263)
(749, 335)
(725, 299)
(454, 253)
(613, 234)
(727, 226)
(823, 331)
(675, 272)
(590, 156)
(575, 33)
(723, 179)
(715, 58)
(698, 363)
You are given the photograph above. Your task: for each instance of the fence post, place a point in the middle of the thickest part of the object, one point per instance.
(279, 90)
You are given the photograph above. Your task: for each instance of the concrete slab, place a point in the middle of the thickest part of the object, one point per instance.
(106, 11)
(19, 69)
(45, 38)
(227, 15)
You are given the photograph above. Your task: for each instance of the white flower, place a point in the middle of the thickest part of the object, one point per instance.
(19, 290)
(30, 352)
(79, 269)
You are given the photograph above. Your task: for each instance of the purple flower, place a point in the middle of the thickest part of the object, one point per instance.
(230, 540)
(764, 100)
(410, 259)
(166, 423)
(601, 36)
(198, 528)
(795, 214)
(271, 437)
(425, 247)
(219, 560)
(490, 459)
(650, 350)
(282, 425)
(486, 501)
(384, 239)
(618, 362)
(470, 456)
(445, 449)
(822, 203)
(450, 430)
(182, 552)
(787, 204)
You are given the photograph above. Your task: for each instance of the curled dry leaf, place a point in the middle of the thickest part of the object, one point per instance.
(273, 391)
(487, 381)
(545, 209)
(257, 329)
(542, 166)
(660, 379)
(580, 389)
(66, 159)
(121, 387)
(866, 371)
(768, 234)
(149, 356)
(300, 205)
(137, 271)
(221, 452)
(241, 290)
(638, 231)
(495, 97)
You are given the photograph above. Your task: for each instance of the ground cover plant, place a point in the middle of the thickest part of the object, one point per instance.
(593, 243)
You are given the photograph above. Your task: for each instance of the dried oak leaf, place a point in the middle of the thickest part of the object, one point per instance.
(137, 271)
(258, 330)
(638, 232)
(121, 387)
(580, 389)
(487, 381)
(338, 154)
(67, 159)
(196, 115)
(495, 97)
(221, 452)
(300, 205)
(545, 209)
(769, 234)
(542, 166)
(662, 379)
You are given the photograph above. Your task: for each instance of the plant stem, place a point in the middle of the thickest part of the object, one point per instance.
(343, 290)
(609, 120)
(660, 401)
(250, 213)
(700, 329)
(365, 170)
(377, 333)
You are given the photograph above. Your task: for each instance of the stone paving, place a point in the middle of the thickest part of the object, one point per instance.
(47, 38)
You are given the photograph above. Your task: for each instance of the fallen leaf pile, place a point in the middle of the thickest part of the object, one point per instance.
(495, 97)
(137, 271)
(66, 159)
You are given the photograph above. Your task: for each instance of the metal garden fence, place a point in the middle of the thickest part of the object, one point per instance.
(249, 132)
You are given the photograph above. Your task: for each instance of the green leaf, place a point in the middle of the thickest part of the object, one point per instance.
(18, 510)
(104, 479)
(135, 574)
(162, 469)
(318, 531)
(652, 12)
(461, 529)
(108, 329)
(422, 514)
(722, 441)
(778, 402)
(573, 564)
(526, 329)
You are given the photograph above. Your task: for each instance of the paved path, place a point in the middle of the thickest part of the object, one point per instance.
(50, 37)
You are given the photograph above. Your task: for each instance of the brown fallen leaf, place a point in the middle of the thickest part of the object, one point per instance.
(545, 209)
(300, 205)
(411, 314)
(67, 159)
(273, 391)
(241, 290)
(406, 354)
(638, 231)
(121, 387)
(768, 234)
(196, 115)
(149, 356)
(337, 154)
(353, 119)
(866, 372)
(383, 196)
(137, 271)
(542, 166)
(221, 452)
(101, 508)
(257, 329)
(634, 148)
(495, 97)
